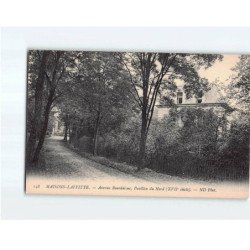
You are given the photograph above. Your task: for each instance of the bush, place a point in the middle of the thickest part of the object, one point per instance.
(234, 152)
(188, 143)
(86, 144)
(123, 144)
(199, 148)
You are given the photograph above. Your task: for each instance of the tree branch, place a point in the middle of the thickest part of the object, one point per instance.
(132, 82)
(164, 70)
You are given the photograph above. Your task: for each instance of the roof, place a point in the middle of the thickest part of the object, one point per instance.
(201, 105)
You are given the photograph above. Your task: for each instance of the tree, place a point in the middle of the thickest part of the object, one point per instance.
(100, 91)
(39, 87)
(52, 82)
(236, 147)
(239, 86)
(237, 96)
(153, 76)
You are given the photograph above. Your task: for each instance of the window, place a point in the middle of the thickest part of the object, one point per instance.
(179, 97)
(199, 97)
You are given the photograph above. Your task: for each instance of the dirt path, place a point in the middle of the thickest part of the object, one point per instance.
(60, 161)
(63, 167)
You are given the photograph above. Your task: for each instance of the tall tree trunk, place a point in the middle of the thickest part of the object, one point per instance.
(44, 127)
(96, 132)
(50, 100)
(66, 132)
(144, 124)
(38, 107)
(143, 140)
(66, 124)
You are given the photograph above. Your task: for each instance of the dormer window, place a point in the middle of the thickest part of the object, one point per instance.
(179, 97)
(199, 97)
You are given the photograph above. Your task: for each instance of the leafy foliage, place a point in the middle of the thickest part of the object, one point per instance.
(106, 102)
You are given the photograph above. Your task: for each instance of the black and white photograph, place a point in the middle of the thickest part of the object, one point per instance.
(124, 124)
(137, 124)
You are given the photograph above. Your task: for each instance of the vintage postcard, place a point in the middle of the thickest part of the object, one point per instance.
(137, 124)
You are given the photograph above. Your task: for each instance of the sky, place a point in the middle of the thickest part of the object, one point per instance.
(221, 70)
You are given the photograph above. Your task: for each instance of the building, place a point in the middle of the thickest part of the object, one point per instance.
(211, 99)
(55, 125)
